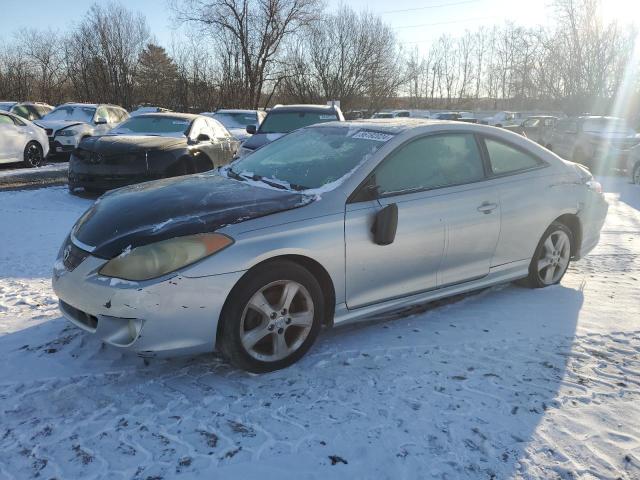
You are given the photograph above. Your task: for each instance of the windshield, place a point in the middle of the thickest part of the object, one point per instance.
(80, 114)
(236, 119)
(383, 115)
(313, 157)
(606, 125)
(285, 122)
(156, 125)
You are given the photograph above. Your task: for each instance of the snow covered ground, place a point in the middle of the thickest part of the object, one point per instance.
(505, 383)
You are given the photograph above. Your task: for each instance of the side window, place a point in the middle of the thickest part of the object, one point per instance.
(430, 162)
(22, 111)
(6, 120)
(506, 159)
(218, 130)
(102, 112)
(532, 122)
(199, 127)
(122, 115)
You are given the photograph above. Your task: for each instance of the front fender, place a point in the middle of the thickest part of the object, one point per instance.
(319, 239)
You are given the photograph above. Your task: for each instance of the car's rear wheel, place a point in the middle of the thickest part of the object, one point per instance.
(272, 317)
(33, 156)
(551, 258)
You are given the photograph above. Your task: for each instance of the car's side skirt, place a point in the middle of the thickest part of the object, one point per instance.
(500, 274)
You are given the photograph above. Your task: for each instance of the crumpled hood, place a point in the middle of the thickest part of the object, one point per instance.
(57, 124)
(260, 139)
(153, 211)
(114, 144)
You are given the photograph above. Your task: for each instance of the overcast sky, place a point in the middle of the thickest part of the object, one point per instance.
(417, 22)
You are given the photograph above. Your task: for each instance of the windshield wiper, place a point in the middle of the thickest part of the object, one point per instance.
(235, 175)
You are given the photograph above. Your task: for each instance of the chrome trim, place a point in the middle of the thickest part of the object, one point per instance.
(79, 244)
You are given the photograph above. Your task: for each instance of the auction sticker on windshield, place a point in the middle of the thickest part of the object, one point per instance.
(372, 135)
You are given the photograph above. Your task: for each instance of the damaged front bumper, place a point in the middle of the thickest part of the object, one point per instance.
(169, 316)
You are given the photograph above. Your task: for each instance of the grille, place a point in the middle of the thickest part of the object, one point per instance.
(72, 256)
(90, 321)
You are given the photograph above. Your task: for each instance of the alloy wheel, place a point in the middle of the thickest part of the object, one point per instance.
(33, 155)
(276, 321)
(554, 257)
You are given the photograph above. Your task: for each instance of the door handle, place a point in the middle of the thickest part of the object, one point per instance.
(487, 207)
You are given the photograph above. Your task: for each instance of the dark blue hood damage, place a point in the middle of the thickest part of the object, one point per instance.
(149, 212)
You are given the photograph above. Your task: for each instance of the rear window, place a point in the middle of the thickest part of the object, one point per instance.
(153, 125)
(287, 121)
(505, 159)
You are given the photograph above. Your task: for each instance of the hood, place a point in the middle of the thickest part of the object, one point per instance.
(114, 144)
(239, 134)
(57, 124)
(259, 139)
(146, 213)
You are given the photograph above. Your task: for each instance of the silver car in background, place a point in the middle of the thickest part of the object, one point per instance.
(332, 223)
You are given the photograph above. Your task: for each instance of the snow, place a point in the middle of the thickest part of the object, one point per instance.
(19, 171)
(504, 383)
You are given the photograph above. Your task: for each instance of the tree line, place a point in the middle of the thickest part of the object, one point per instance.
(254, 53)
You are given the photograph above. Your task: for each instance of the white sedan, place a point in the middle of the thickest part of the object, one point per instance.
(22, 141)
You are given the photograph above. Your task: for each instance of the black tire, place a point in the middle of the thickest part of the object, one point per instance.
(233, 314)
(535, 279)
(32, 156)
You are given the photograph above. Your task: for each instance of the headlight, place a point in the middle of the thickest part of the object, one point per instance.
(69, 132)
(157, 259)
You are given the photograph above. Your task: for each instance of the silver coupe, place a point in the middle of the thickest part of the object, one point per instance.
(331, 223)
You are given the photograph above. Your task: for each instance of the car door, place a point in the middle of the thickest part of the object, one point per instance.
(516, 176)
(436, 183)
(565, 136)
(208, 147)
(12, 139)
(227, 145)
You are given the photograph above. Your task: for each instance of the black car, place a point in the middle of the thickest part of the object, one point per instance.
(148, 147)
(283, 119)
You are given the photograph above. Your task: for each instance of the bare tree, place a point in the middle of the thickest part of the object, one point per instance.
(102, 53)
(257, 28)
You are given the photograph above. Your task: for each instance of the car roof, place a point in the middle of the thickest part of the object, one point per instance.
(304, 108)
(232, 110)
(395, 124)
(185, 116)
(92, 105)
(585, 117)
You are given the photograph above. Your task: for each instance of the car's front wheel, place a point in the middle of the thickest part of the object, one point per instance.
(552, 256)
(272, 317)
(33, 156)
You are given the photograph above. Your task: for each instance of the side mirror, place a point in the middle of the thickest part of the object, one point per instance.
(101, 121)
(385, 225)
(251, 129)
(203, 137)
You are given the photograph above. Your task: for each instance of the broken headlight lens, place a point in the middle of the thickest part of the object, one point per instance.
(157, 259)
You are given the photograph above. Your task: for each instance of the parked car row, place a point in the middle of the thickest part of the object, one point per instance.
(334, 222)
(21, 141)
